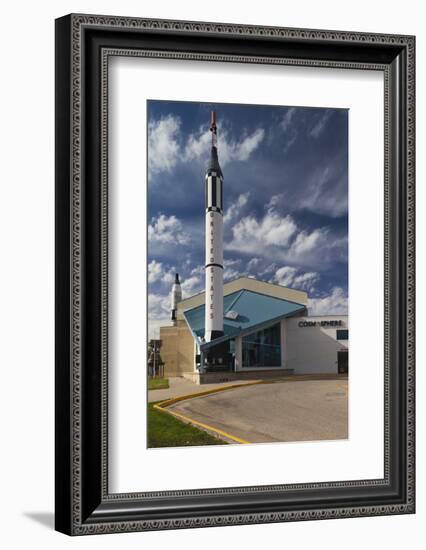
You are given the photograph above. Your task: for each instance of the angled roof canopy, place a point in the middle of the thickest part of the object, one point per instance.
(253, 310)
(247, 283)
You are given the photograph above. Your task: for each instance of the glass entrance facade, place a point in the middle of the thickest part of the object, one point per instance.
(262, 348)
(219, 358)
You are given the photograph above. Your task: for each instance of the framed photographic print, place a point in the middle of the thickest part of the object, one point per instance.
(234, 274)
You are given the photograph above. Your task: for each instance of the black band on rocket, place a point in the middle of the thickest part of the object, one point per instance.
(214, 209)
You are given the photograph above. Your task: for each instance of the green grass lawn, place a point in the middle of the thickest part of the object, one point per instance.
(165, 430)
(158, 383)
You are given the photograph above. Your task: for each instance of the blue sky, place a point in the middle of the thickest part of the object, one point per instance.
(285, 199)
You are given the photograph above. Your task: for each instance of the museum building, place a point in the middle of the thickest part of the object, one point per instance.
(267, 333)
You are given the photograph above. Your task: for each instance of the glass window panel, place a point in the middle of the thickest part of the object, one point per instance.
(262, 348)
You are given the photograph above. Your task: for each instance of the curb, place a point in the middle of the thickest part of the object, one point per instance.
(206, 427)
(173, 400)
(162, 406)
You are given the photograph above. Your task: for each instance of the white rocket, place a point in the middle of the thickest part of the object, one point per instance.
(214, 242)
(176, 297)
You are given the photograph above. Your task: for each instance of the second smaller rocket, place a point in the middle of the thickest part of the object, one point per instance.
(176, 297)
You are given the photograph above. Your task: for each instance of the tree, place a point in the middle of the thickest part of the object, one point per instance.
(155, 363)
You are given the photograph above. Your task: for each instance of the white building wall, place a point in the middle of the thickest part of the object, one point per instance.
(313, 349)
(196, 352)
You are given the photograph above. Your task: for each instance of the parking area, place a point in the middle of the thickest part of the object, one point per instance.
(306, 410)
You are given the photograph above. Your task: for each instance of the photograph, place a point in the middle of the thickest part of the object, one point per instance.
(248, 326)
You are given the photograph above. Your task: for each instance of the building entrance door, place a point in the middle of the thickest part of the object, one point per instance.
(342, 362)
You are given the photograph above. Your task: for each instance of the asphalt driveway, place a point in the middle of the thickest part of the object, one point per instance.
(306, 410)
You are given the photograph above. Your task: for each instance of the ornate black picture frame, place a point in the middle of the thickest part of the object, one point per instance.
(83, 45)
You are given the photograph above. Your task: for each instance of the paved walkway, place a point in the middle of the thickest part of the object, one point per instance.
(303, 410)
(182, 386)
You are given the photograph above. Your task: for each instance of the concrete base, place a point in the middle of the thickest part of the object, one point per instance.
(215, 377)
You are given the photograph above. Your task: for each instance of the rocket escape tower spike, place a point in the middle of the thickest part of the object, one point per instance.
(213, 165)
(213, 129)
(214, 242)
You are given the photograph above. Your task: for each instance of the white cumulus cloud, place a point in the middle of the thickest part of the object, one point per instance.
(198, 270)
(158, 313)
(305, 241)
(167, 229)
(250, 234)
(253, 263)
(285, 275)
(292, 277)
(336, 303)
(166, 150)
(320, 126)
(235, 208)
(326, 191)
(198, 146)
(158, 305)
(229, 274)
(306, 281)
(287, 119)
(163, 145)
(192, 285)
(245, 148)
(274, 201)
(289, 128)
(279, 237)
(157, 272)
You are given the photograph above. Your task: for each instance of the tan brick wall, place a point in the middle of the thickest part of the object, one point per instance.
(169, 352)
(177, 349)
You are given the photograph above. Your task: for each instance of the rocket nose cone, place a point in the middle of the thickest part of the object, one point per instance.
(177, 279)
